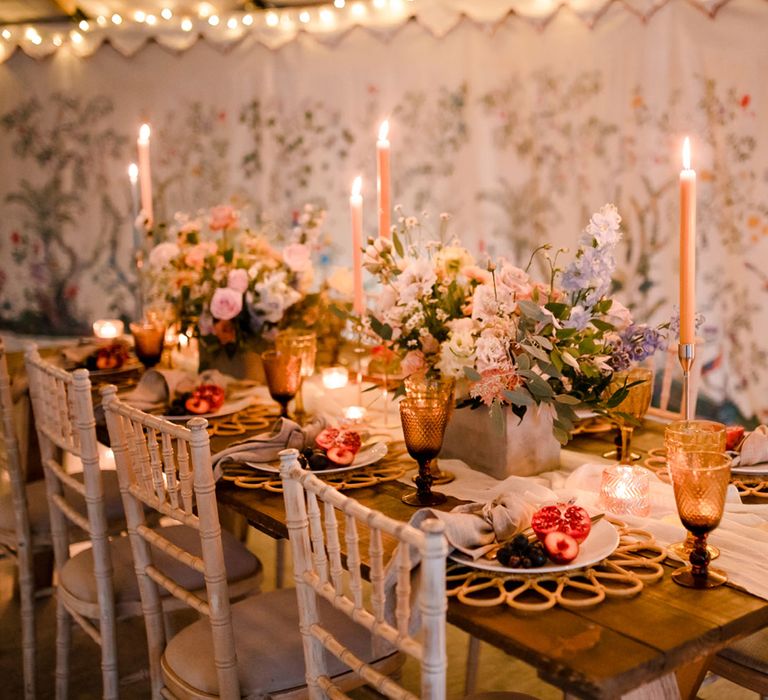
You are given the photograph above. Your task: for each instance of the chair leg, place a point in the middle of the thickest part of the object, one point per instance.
(473, 660)
(63, 642)
(110, 678)
(27, 593)
(279, 563)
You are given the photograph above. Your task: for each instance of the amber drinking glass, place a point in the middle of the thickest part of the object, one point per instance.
(148, 340)
(303, 344)
(283, 372)
(421, 387)
(700, 480)
(692, 436)
(424, 422)
(636, 405)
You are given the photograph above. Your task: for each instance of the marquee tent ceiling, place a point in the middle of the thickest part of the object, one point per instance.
(41, 27)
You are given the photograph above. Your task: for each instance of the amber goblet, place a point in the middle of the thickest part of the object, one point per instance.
(636, 405)
(693, 435)
(303, 344)
(700, 480)
(420, 387)
(148, 340)
(283, 372)
(424, 422)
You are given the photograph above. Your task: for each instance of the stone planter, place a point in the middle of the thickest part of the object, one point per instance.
(522, 448)
(243, 365)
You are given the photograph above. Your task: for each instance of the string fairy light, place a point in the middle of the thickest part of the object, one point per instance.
(324, 18)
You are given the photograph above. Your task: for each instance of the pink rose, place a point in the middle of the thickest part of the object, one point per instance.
(413, 363)
(238, 280)
(197, 254)
(222, 217)
(296, 256)
(226, 303)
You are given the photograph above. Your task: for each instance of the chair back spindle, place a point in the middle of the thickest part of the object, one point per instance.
(388, 613)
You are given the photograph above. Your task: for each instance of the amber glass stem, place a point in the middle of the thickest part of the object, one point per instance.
(424, 480)
(626, 441)
(700, 557)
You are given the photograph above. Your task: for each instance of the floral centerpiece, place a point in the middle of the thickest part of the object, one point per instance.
(228, 282)
(520, 342)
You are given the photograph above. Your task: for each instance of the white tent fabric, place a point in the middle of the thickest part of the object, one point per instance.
(520, 132)
(326, 24)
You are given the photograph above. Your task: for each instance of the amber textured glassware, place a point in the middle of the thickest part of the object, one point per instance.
(303, 344)
(424, 422)
(148, 340)
(283, 372)
(636, 404)
(693, 435)
(419, 386)
(700, 480)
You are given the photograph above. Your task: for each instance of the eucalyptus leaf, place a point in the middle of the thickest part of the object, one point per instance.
(523, 362)
(398, 244)
(497, 416)
(472, 374)
(518, 397)
(567, 399)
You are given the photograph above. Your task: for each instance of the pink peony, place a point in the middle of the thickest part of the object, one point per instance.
(226, 303)
(296, 256)
(222, 217)
(413, 363)
(238, 280)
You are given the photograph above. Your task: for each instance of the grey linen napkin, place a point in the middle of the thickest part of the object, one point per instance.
(266, 447)
(157, 387)
(472, 528)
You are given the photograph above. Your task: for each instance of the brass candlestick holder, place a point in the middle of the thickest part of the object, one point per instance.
(686, 353)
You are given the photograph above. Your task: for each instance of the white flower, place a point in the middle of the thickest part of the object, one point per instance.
(619, 316)
(340, 281)
(162, 254)
(491, 351)
(297, 257)
(416, 280)
(456, 353)
(411, 222)
(452, 259)
(603, 227)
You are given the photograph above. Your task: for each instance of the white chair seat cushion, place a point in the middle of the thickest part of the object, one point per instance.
(751, 652)
(37, 502)
(270, 657)
(77, 575)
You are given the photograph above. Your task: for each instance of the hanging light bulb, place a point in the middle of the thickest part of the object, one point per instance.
(139, 16)
(166, 13)
(186, 24)
(303, 16)
(248, 20)
(6, 34)
(339, 3)
(57, 40)
(326, 16)
(272, 19)
(213, 20)
(117, 19)
(358, 9)
(232, 23)
(83, 24)
(101, 20)
(77, 37)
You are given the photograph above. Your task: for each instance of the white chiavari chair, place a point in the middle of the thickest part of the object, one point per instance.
(99, 584)
(398, 613)
(16, 536)
(252, 648)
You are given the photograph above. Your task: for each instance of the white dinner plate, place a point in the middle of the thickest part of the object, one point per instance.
(736, 468)
(366, 456)
(227, 408)
(601, 543)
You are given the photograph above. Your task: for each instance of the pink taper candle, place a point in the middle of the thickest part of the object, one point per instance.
(145, 174)
(356, 210)
(687, 247)
(383, 182)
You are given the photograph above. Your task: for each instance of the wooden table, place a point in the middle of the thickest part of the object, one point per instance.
(600, 652)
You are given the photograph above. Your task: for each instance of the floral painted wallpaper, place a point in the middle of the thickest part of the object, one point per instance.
(519, 133)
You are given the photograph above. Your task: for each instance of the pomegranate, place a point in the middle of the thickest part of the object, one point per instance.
(340, 455)
(326, 438)
(571, 520)
(733, 436)
(561, 548)
(196, 404)
(212, 393)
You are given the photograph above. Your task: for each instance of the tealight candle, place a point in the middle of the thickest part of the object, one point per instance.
(108, 328)
(624, 490)
(335, 377)
(354, 414)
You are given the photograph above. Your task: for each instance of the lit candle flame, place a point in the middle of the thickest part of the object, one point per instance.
(384, 130)
(357, 186)
(144, 133)
(687, 154)
(133, 173)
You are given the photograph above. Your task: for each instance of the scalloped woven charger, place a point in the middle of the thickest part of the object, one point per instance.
(746, 485)
(635, 563)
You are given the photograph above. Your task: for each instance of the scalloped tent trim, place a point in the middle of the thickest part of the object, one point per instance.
(274, 29)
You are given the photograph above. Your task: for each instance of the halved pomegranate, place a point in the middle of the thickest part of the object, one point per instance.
(733, 436)
(340, 455)
(212, 393)
(561, 548)
(572, 520)
(546, 520)
(326, 438)
(195, 404)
